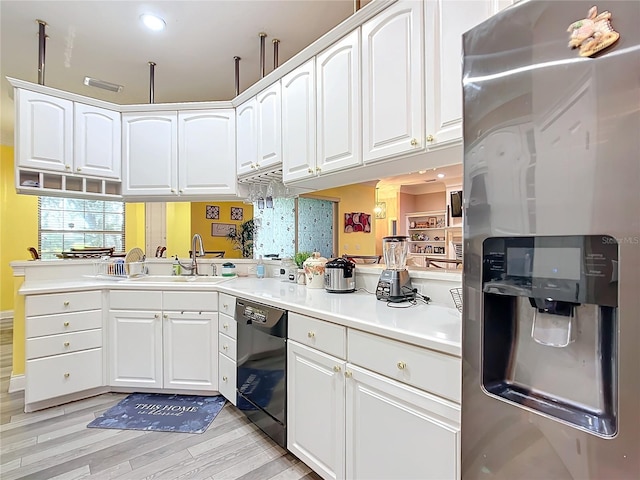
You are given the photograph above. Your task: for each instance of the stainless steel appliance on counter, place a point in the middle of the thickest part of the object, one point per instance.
(262, 366)
(394, 284)
(340, 276)
(551, 331)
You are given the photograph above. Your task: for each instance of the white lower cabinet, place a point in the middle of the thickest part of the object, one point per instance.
(63, 347)
(397, 432)
(174, 348)
(364, 421)
(316, 409)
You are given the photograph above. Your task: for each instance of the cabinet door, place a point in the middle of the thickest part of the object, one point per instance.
(395, 431)
(392, 86)
(44, 131)
(149, 153)
(190, 342)
(299, 123)
(269, 127)
(446, 21)
(246, 137)
(97, 143)
(339, 136)
(135, 349)
(206, 152)
(315, 409)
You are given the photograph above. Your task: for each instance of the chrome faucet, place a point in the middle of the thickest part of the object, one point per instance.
(197, 239)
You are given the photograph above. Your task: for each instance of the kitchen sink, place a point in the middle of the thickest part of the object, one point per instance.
(178, 279)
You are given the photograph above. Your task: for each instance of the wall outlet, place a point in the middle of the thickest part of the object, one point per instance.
(251, 270)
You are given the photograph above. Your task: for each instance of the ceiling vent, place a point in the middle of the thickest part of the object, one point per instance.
(94, 82)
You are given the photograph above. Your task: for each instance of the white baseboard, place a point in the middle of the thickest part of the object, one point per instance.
(17, 383)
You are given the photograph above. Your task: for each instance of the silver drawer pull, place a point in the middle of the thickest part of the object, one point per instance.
(66, 324)
(348, 374)
(225, 326)
(224, 379)
(225, 347)
(66, 304)
(66, 375)
(157, 315)
(225, 306)
(311, 334)
(401, 365)
(66, 344)
(336, 368)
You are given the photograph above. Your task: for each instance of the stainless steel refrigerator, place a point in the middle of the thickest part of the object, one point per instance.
(551, 319)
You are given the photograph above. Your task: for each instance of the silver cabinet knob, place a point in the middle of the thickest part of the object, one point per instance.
(430, 138)
(157, 315)
(66, 375)
(66, 324)
(348, 374)
(66, 344)
(311, 334)
(414, 142)
(165, 316)
(401, 365)
(78, 169)
(224, 379)
(225, 326)
(225, 347)
(67, 167)
(310, 170)
(336, 368)
(66, 304)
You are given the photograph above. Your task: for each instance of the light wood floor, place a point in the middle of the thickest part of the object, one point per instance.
(55, 443)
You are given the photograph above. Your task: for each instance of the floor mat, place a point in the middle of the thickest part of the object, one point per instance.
(162, 413)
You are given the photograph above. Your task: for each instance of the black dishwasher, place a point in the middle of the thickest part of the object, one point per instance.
(262, 367)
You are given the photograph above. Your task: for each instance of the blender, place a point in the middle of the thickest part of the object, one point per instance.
(394, 284)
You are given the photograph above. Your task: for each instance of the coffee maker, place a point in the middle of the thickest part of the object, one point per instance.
(394, 284)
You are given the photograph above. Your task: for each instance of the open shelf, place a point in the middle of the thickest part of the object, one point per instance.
(54, 184)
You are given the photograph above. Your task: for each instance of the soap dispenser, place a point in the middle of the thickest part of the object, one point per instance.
(260, 268)
(176, 266)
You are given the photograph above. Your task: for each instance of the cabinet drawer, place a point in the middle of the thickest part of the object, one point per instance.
(227, 346)
(52, 377)
(227, 378)
(63, 343)
(425, 369)
(190, 301)
(63, 323)
(62, 302)
(324, 336)
(135, 300)
(227, 304)
(228, 326)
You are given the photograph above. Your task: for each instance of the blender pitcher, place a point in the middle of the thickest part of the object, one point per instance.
(395, 250)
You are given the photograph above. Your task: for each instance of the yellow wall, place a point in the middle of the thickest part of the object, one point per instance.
(354, 198)
(200, 224)
(134, 231)
(178, 229)
(18, 226)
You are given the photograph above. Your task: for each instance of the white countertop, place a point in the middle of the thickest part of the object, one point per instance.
(433, 326)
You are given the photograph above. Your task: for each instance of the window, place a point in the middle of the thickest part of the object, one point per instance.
(64, 223)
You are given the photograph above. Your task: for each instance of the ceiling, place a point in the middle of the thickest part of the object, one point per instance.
(194, 54)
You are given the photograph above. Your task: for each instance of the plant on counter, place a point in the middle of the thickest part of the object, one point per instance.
(300, 257)
(242, 238)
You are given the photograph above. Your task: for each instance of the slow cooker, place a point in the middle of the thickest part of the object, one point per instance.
(340, 276)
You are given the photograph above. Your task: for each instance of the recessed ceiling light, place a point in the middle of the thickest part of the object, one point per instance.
(440, 175)
(153, 22)
(94, 82)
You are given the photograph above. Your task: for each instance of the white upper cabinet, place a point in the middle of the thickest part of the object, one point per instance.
(97, 141)
(446, 21)
(269, 127)
(170, 154)
(58, 135)
(299, 123)
(206, 152)
(44, 131)
(149, 153)
(338, 99)
(247, 137)
(392, 86)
